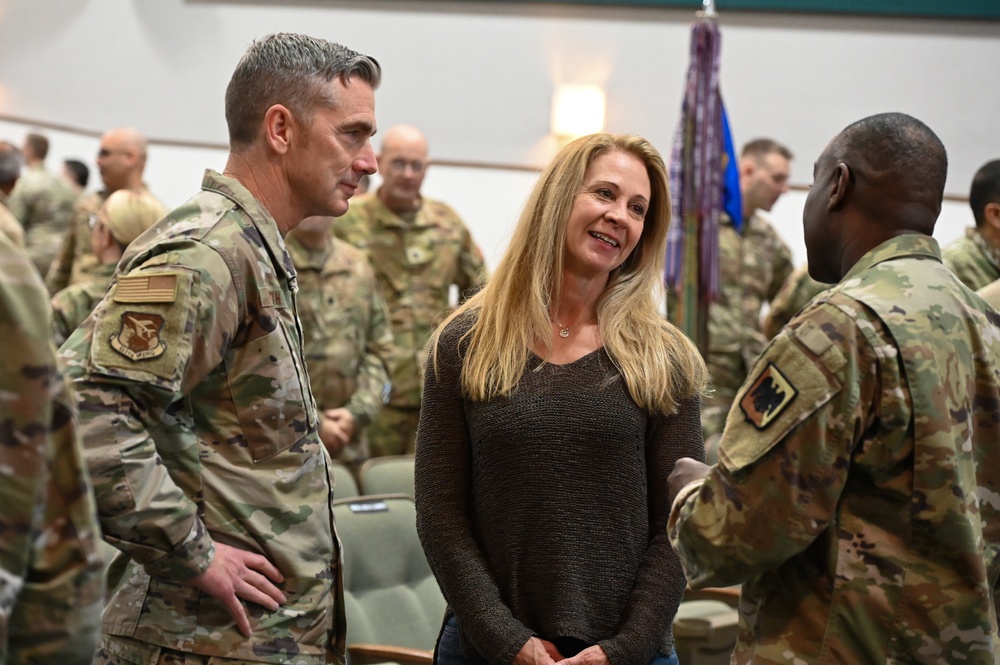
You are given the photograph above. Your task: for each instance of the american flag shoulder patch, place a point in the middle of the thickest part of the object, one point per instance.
(161, 287)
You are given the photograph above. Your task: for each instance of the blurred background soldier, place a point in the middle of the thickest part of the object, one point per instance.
(122, 219)
(420, 249)
(754, 263)
(975, 258)
(76, 174)
(43, 202)
(121, 160)
(51, 594)
(10, 171)
(797, 291)
(345, 328)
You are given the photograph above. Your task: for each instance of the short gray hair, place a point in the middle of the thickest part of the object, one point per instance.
(11, 162)
(293, 70)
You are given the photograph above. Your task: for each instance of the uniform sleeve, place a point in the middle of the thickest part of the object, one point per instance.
(472, 267)
(443, 488)
(61, 326)
(373, 373)
(660, 583)
(160, 330)
(782, 267)
(50, 568)
(785, 451)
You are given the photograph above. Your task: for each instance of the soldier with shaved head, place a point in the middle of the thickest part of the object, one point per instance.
(855, 495)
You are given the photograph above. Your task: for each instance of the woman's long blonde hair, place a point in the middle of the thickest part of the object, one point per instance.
(659, 364)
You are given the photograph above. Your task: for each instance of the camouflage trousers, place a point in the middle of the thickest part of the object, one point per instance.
(394, 431)
(116, 650)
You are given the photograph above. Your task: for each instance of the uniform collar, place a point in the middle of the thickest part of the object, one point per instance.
(386, 217)
(259, 216)
(305, 258)
(906, 245)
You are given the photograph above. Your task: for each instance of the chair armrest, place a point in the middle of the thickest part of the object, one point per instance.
(729, 595)
(362, 654)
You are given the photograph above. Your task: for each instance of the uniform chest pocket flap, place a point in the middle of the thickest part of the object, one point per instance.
(268, 394)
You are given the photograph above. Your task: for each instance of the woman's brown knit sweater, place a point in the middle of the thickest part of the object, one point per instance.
(545, 513)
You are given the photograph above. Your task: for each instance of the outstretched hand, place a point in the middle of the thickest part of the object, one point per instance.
(537, 651)
(235, 574)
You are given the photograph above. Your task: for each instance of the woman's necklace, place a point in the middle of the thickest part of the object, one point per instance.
(564, 330)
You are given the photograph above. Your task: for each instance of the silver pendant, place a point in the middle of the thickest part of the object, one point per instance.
(564, 332)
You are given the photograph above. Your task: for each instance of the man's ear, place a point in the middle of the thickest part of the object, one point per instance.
(279, 128)
(840, 184)
(991, 215)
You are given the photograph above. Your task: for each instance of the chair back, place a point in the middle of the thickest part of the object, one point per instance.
(345, 486)
(390, 594)
(391, 474)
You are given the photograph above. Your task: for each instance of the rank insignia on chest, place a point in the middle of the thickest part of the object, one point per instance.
(767, 397)
(139, 336)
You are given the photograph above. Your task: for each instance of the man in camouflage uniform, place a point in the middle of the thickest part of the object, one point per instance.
(855, 496)
(10, 171)
(419, 249)
(50, 569)
(345, 327)
(799, 288)
(200, 425)
(122, 219)
(975, 258)
(43, 202)
(121, 160)
(754, 263)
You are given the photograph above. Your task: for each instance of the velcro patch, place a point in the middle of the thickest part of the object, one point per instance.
(139, 336)
(161, 287)
(767, 397)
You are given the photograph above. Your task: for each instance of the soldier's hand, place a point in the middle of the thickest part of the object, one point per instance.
(686, 470)
(235, 574)
(336, 429)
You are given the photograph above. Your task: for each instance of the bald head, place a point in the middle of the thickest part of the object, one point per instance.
(403, 165)
(122, 158)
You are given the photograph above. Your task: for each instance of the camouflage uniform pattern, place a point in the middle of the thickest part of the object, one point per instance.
(345, 325)
(972, 259)
(200, 426)
(50, 568)
(856, 494)
(9, 224)
(797, 291)
(75, 262)
(753, 267)
(43, 202)
(75, 303)
(416, 263)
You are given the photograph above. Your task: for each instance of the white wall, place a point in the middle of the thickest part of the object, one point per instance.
(478, 78)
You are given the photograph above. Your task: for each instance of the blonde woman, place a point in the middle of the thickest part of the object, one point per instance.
(555, 403)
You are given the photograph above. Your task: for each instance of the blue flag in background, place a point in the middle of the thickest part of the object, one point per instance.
(732, 202)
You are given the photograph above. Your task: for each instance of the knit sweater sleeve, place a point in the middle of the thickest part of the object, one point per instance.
(660, 583)
(443, 489)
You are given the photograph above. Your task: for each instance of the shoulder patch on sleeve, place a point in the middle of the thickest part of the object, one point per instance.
(767, 397)
(159, 287)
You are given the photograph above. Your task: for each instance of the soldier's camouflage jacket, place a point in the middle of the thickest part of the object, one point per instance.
(9, 224)
(973, 259)
(754, 264)
(799, 288)
(75, 303)
(43, 203)
(345, 325)
(416, 264)
(200, 426)
(51, 589)
(858, 490)
(75, 261)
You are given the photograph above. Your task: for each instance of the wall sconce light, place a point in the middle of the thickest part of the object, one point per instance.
(577, 110)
